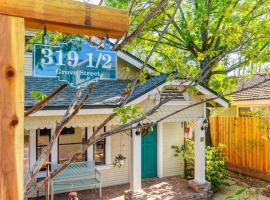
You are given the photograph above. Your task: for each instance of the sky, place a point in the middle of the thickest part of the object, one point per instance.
(91, 1)
(94, 1)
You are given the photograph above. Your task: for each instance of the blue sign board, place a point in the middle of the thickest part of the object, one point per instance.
(75, 62)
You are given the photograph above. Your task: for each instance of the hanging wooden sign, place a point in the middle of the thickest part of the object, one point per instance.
(75, 62)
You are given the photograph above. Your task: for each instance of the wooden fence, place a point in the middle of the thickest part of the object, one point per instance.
(248, 144)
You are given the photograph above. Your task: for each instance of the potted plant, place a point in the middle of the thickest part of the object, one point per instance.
(119, 160)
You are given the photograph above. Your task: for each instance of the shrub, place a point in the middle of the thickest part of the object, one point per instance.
(215, 162)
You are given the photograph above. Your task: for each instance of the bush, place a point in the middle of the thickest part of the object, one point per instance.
(216, 173)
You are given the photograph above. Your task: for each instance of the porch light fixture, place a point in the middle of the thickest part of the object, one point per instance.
(139, 129)
(45, 36)
(204, 125)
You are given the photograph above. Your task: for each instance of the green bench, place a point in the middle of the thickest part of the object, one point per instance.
(77, 176)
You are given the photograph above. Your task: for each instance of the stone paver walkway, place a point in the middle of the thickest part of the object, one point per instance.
(174, 188)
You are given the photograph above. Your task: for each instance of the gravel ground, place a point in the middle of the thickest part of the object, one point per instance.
(237, 181)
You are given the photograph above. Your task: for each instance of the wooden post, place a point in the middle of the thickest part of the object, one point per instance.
(47, 186)
(11, 107)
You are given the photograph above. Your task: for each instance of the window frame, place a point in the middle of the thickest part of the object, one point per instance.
(38, 134)
(72, 143)
(104, 150)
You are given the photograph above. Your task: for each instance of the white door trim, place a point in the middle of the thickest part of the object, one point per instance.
(160, 150)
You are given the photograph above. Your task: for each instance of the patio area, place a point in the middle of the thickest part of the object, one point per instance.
(174, 188)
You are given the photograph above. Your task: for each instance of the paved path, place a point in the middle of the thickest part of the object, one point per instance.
(174, 188)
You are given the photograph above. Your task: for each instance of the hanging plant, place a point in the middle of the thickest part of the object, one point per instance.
(146, 129)
(119, 160)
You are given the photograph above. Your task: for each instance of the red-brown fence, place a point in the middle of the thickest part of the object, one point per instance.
(248, 144)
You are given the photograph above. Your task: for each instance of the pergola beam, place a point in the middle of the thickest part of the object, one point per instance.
(68, 16)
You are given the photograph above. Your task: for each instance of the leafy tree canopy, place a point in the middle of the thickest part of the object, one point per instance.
(220, 39)
(217, 41)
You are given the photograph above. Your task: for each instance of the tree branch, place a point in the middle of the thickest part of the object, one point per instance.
(59, 126)
(42, 103)
(124, 101)
(127, 39)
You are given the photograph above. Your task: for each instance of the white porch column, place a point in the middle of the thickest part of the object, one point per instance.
(135, 168)
(90, 150)
(54, 155)
(108, 153)
(199, 152)
(199, 183)
(160, 150)
(32, 148)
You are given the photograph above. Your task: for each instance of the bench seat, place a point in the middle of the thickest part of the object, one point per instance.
(77, 176)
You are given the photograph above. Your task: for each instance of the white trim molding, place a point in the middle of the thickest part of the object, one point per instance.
(160, 150)
(108, 151)
(135, 159)
(95, 111)
(54, 154)
(32, 148)
(199, 145)
(90, 149)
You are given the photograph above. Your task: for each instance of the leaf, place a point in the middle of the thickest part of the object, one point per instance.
(240, 191)
(230, 198)
(37, 95)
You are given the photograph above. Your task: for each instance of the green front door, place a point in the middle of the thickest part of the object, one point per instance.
(149, 154)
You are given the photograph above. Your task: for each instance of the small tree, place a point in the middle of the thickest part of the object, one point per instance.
(216, 173)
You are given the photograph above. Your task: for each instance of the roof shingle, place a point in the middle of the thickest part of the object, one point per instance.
(260, 91)
(106, 93)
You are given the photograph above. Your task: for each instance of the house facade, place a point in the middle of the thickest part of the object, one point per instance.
(252, 100)
(147, 156)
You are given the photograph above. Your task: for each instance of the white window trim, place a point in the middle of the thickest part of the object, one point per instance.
(108, 151)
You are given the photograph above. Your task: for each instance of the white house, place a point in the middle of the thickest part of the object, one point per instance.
(149, 156)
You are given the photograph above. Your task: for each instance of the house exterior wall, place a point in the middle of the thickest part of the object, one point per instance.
(233, 111)
(173, 134)
(225, 112)
(120, 143)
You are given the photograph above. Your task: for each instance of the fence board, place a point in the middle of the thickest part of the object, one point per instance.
(248, 144)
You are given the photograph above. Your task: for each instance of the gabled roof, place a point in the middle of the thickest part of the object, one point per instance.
(258, 92)
(106, 93)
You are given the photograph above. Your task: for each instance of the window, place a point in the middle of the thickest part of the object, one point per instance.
(70, 141)
(99, 151)
(244, 111)
(43, 137)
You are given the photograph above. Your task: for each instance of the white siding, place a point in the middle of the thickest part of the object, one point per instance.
(28, 64)
(173, 134)
(116, 176)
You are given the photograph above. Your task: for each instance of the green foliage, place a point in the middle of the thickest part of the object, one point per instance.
(129, 112)
(37, 95)
(122, 4)
(221, 83)
(216, 173)
(215, 165)
(219, 36)
(55, 38)
(143, 77)
(244, 194)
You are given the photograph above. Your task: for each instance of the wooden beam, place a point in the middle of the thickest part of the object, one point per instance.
(249, 171)
(69, 16)
(11, 107)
